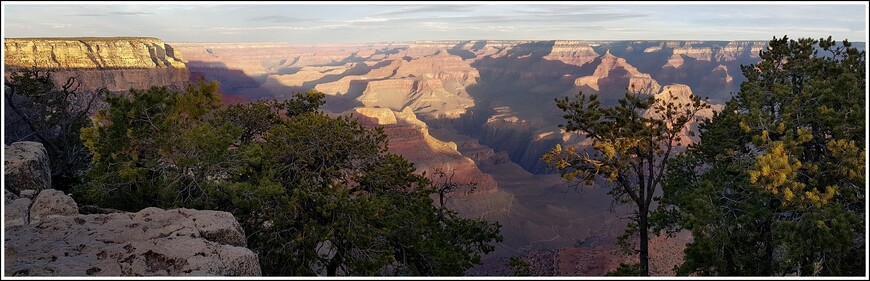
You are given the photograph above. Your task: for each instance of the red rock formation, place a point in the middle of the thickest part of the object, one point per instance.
(442, 66)
(572, 52)
(613, 76)
(410, 138)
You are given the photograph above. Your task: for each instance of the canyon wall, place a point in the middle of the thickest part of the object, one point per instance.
(114, 63)
(409, 137)
(500, 92)
(486, 109)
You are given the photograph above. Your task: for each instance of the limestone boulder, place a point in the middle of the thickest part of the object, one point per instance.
(16, 212)
(216, 226)
(28, 193)
(52, 203)
(151, 242)
(26, 167)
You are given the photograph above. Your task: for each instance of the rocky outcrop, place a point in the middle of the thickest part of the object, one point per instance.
(410, 138)
(51, 203)
(45, 235)
(17, 211)
(114, 63)
(705, 51)
(643, 84)
(675, 61)
(151, 242)
(613, 76)
(681, 95)
(26, 167)
(375, 116)
(390, 93)
(354, 84)
(572, 52)
(424, 96)
(442, 66)
(299, 78)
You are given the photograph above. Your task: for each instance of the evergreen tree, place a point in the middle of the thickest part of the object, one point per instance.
(630, 148)
(776, 184)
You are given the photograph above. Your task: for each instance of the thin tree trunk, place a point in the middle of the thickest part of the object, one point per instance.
(332, 267)
(644, 241)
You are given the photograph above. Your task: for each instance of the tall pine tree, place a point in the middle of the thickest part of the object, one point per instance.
(776, 184)
(632, 144)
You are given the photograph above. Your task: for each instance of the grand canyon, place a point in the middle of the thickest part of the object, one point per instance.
(434, 139)
(485, 110)
(482, 111)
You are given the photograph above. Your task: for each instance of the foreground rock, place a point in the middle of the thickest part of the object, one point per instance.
(26, 167)
(150, 242)
(52, 203)
(45, 234)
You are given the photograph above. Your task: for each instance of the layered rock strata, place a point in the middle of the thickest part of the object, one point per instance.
(410, 138)
(114, 63)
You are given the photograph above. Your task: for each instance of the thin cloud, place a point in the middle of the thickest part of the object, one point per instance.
(552, 18)
(116, 13)
(519, 20)
(239, 29)
(426, 9)
(278, 19)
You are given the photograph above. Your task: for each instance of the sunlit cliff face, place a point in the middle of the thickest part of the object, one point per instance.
(117, 64)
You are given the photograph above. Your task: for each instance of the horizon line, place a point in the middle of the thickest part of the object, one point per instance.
(399, 41)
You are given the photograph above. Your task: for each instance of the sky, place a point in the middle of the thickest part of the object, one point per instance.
(351, 22)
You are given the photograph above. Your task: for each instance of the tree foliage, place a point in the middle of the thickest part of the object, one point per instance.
(520, 266)
(53, 115)
(155, 148)
(626, 270)
(315, 194)
(775, 186)
(632, 143)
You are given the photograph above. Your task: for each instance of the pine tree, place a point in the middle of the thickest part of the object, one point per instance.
(630, 148)
(776, 184)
